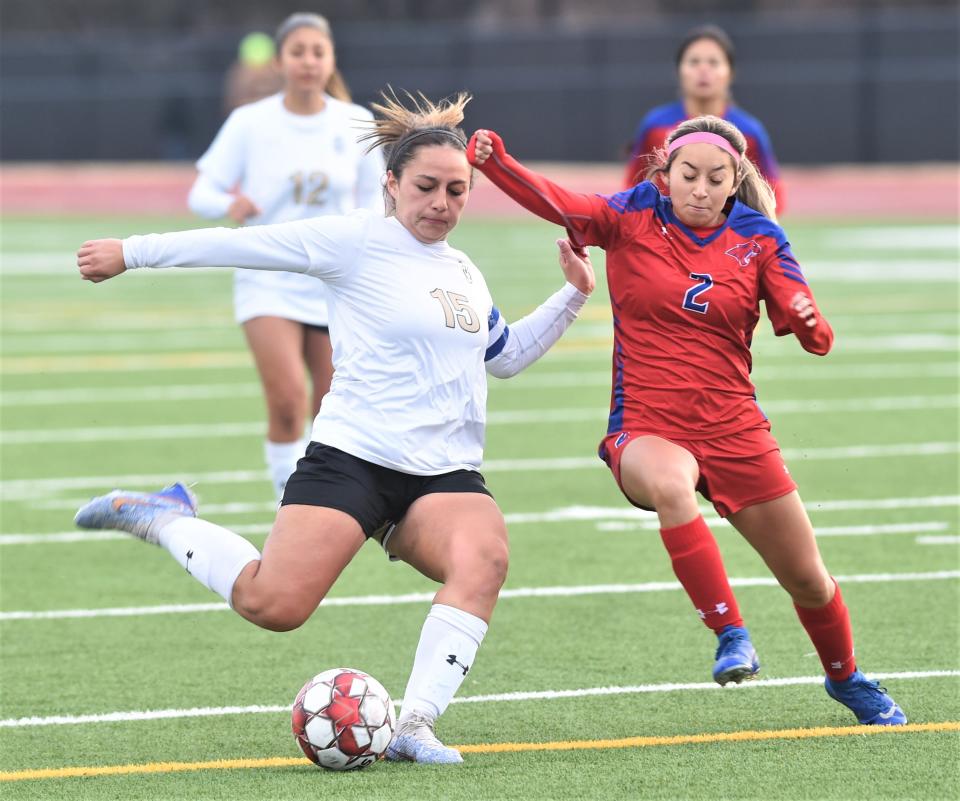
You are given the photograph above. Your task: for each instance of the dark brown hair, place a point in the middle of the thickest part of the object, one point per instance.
(336, 85)
(715, 34)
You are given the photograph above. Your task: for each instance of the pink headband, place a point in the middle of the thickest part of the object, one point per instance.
(704, 137)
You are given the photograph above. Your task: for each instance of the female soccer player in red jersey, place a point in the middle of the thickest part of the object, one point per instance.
(686, 275)
(705, 61)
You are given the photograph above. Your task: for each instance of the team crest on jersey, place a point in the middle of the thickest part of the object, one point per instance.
(466, 272)
(338, 144)
(744, 252)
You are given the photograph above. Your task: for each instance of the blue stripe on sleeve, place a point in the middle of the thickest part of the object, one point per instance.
(494, 350)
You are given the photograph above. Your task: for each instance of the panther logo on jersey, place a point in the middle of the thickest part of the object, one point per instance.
(744, 252)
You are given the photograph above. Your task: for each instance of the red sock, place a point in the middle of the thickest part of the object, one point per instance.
(699, 566)
(829, 629)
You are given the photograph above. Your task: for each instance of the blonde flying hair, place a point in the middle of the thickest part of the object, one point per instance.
(401, 129)
(336, 87)
(753, 191)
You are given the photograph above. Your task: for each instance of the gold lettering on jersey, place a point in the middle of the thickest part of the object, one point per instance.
(310, 188)
(457, 311)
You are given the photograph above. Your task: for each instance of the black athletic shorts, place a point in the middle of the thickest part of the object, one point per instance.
(375, 496)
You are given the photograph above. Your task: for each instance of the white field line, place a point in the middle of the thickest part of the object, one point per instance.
(155, 393)
(517, 417)
(166, 340)
(61, 322)
(896, 343)
(39, 488)
(538, 465)
(173, 392)
(66, 537)
(902, 238)
(536, 695)
(950, 539)
(877, 271)
(425, 597)
(98, 396)
(717, 522)
(541, 465)
(142, 342)
(69, 537)
(114, 363)
(241, 360)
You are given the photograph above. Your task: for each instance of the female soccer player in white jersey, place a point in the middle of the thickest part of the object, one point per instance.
(398, 442)
(287, 157)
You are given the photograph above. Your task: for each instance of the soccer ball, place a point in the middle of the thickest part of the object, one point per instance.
(343, 719)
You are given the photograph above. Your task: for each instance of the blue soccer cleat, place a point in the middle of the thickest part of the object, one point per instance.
(867, 699)
(142, 514)
(736, 657)
(414, 741)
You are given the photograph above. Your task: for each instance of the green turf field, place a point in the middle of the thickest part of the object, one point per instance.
(146, 378)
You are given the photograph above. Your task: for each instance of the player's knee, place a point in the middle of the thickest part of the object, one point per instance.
(486, 570)
(276, 613)
(288, 426)
(811, 590)
(287, 412)
(670, 488)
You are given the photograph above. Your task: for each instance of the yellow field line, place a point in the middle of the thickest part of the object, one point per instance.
(494, 748)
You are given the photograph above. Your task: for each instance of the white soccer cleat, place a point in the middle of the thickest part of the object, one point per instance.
(142, 514)
(414, 741)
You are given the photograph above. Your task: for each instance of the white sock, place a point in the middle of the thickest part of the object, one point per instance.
(448, 645)
(213, 555)
(282, 461)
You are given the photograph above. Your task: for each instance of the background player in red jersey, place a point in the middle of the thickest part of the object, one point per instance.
(686, 275)
(705, 66)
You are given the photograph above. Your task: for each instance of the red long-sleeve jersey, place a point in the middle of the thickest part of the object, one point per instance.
(685, 302)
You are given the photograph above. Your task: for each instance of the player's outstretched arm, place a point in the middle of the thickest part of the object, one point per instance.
(100, 259)
(324, 247)
(587, 218)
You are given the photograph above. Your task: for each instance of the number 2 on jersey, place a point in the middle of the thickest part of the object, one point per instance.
(456, 311)
(690, 303)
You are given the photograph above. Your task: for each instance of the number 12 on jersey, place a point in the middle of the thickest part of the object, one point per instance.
(456, 311)
(690, 303)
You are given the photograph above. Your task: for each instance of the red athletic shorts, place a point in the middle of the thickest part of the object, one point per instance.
(736, 471)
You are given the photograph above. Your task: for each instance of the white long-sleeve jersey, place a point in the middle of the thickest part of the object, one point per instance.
(412, 326)
(292, 166)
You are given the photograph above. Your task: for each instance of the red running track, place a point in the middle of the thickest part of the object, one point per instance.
(850, 192)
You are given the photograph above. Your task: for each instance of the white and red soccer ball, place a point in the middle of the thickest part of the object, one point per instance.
(343, 719)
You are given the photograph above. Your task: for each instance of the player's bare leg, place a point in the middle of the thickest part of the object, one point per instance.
(307, 549)
(782, 534)
(460, 540)
(277, 346)
(662, 475)
(318, 354)
(279, 589)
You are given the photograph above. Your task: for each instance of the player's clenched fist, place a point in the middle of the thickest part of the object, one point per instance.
(100, 259)
(482, 145)
(803, 307)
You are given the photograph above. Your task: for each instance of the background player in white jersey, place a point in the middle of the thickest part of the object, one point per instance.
(289, 156)
(398, 442)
